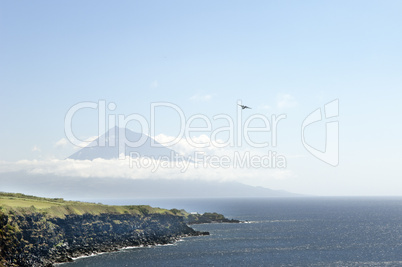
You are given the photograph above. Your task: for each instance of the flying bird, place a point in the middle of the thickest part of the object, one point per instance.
(243, 106)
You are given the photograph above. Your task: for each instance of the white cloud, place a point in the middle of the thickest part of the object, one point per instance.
(65, 144)
(154, 84)
(285, 101)
(203, 98)
(200, 143)
(35, 148)
(62, 142)
(146, 168)
(89, 140)
(205, 164)
(86, 142)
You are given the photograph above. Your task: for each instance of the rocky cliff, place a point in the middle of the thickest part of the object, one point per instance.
(40, 235)
(34, 240)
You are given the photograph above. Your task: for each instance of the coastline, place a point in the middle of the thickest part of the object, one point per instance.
(120, 250)
(42, 232)
(113, 249)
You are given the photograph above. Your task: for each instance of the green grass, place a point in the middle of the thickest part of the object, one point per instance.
(15, 202)
(57, 207)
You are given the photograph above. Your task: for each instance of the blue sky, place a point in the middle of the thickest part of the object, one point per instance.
(204, 56)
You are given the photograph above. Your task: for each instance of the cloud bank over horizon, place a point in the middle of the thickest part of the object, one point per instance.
(146, 168)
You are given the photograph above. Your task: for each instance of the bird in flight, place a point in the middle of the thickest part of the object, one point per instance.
(243, 106)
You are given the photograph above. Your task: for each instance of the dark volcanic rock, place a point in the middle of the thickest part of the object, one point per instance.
(209, 218)
(34, 240)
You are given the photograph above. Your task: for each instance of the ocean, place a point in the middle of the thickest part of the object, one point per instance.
(303, 231)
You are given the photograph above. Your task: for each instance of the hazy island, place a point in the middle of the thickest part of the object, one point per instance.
(37, 231)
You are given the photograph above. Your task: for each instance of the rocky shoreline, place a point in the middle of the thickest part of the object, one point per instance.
(34, 240)
(164, 242)
(37, 231)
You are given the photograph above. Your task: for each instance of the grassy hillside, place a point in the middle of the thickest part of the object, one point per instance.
(16, 203)
(36, 231)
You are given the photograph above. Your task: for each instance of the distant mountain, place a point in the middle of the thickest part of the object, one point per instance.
(113, 146)
(123, 188)
(97, 187)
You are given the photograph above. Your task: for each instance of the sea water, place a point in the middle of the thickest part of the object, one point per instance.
(278, 232)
